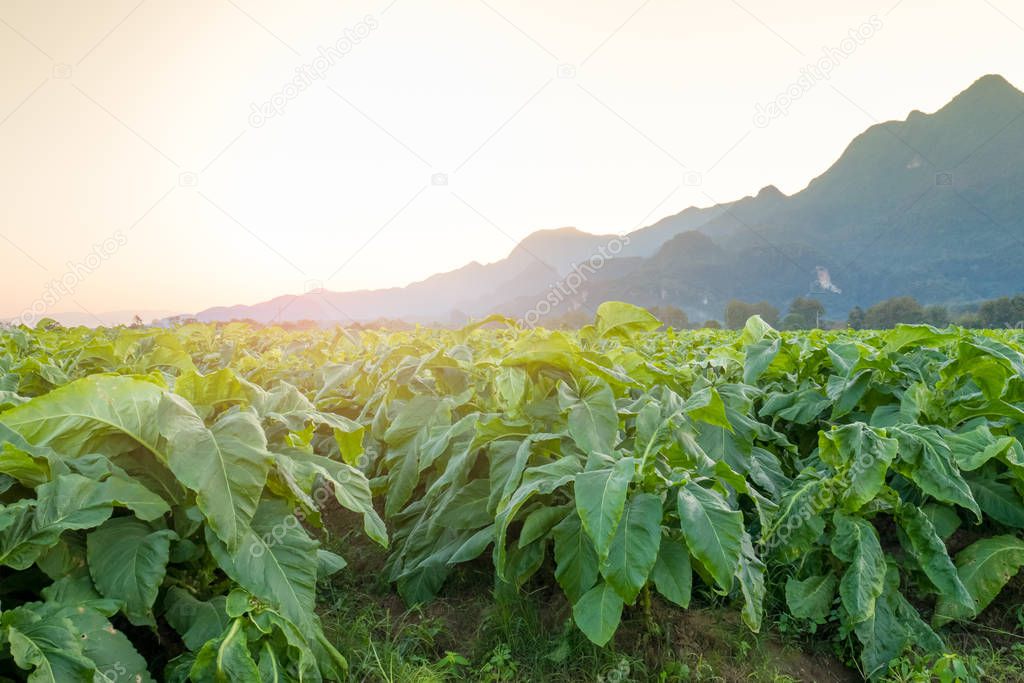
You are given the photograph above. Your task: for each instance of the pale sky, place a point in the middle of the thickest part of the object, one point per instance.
(130, 123)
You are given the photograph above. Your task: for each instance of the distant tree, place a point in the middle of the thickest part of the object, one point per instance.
(804, 313)
(136, 321)
(712, 325)
(1002, 312)
(856, 319)
(892, 312)
(671, 316)
(936, 315)
(737, 312)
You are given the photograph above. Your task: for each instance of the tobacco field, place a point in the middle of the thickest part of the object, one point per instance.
(163, 491)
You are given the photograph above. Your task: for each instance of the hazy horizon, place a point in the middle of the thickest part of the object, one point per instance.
(428, 137)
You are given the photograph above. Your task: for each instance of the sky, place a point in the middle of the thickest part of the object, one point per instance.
(178, 154)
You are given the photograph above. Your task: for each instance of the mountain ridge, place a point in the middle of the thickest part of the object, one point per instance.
(886, 218)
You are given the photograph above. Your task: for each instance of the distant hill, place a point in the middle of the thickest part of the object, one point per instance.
(102, 318)
(932, 207)
(542, 257)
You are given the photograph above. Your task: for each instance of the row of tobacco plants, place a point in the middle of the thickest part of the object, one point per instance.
(161, 491)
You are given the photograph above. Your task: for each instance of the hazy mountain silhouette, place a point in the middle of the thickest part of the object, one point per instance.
(932, 206)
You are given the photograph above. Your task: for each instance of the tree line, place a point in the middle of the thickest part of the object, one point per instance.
(808, 313)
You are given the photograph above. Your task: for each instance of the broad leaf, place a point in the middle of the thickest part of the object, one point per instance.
(226, 658)
(598, 613)
(576, 562)
(48, 645)
(68, 502)
(593, 420)
(128, 561)
(811, 598)
(634, 548)
(195, 621)
(930, 553)
(863, 455)
(672, 573)
(712, 530)
(856, 543)
(226, 465)
(276, 561)
(751, 581)
(600, 500)
(984, 567)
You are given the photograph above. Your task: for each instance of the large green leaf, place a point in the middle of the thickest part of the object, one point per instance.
(930, 553)
(350, 487)
(576, 562)
(863, 455)
(28, 463)
(759, 356)
(920, 335)
(706, 405)
(751, 580)
(213, 391)
(598, 613)
(226, 465)
(226, 659)
(123, 491)
(110, 650)
(984, 568)
(47, 644)
(128, 561)
(811, 598)
(275, 561)
(927, 460)
(672, 573)
(539, 523)
(799, 522)
(893, 627)
(634, 548)
(473, 546)
(973, 449)
(96, 414)
(712, 530)
(997, 499)
(539, 480)
(68, 502)
(856, 543)
(615, 318)
(196, 621)
(600, 500)
(592, 417)
(467, 509)
(848, 391)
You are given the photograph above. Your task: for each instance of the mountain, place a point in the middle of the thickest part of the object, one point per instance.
(894, 214)
(646, 241)
(543, 257)
(931, 206)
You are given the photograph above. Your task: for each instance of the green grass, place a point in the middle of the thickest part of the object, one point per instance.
(477, 631)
